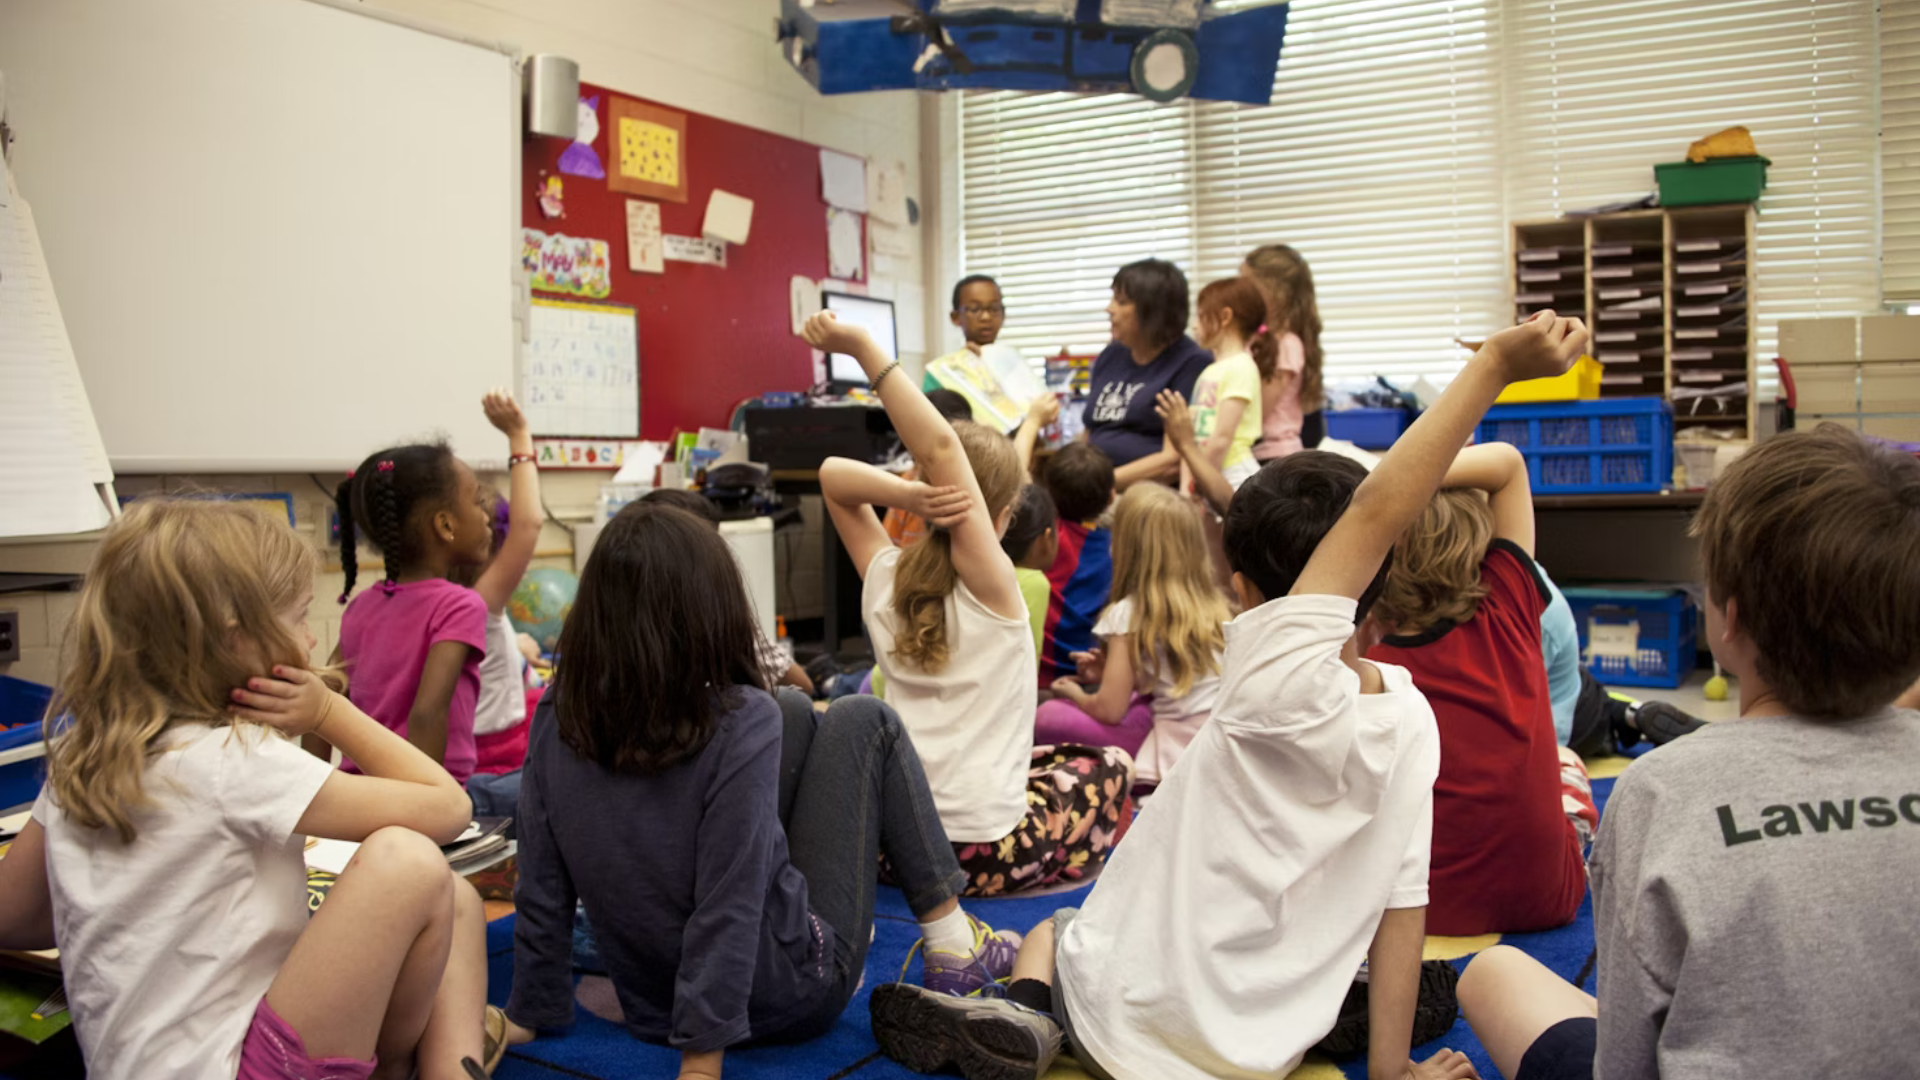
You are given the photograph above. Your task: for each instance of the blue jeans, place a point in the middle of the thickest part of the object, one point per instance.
(494, 794)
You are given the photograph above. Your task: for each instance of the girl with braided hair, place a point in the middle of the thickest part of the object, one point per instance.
(412, 644)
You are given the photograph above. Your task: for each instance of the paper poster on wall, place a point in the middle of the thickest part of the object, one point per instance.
(729, 217)
(565, 264)
(695, 249)
(644, 250)
(803, 299)
(893, 240)
(887, 192)
(552, 196)
(580, 158)
(581, 373)
(648, 148)
(843, 181)
(845, 245)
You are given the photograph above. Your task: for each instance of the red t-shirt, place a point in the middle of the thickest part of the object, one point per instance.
(1505, 857)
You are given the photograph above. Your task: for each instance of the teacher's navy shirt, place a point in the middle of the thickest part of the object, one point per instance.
(1119, 416)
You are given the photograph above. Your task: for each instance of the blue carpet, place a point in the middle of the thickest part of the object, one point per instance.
(600, 1050)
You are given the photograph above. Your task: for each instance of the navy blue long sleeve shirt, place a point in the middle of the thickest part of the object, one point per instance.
(701, 920)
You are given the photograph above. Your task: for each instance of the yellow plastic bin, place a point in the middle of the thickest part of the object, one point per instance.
(1580, 383)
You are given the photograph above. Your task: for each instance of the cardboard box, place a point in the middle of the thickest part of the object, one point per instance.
(1886, 337)
(1890, 387)
(1827, 390)
(1805, 342)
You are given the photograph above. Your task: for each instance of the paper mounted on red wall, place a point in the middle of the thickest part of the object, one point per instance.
(729, 217)
(565, 264)
(580, 159)
(552, 196)
(648, 150)
(845, 245)
(843, 181)
(645, 254)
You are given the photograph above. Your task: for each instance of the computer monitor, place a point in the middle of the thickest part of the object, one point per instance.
(872, 314)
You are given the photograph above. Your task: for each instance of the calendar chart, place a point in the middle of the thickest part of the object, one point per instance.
(582, 370)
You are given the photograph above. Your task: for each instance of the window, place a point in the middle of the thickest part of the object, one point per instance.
(1405, 135)
(1900, 149)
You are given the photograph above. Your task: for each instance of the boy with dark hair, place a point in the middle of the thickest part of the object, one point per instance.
(1292, 841)
(1752, 882)
(1079, 476)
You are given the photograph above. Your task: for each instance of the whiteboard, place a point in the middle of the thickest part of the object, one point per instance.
(283, 234)
(582, 370)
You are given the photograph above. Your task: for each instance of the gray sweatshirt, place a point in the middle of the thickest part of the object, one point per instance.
(1757, 904)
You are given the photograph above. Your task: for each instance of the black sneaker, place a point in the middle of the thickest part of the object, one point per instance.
(1661, 723)
(985, 1038)
(1438, 1008)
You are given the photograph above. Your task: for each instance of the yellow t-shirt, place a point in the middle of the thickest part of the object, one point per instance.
(1229, 378)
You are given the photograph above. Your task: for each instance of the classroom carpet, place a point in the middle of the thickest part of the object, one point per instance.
(598, 1049)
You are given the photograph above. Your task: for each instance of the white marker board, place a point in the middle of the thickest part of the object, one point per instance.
(582, 370)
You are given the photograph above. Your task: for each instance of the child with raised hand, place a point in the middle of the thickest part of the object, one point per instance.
(1160, 637)
(1292, 840)
(500, 711)
(412, 644)
(1227, 398)
(951, 634)
(743, 909)
(1752, 881)
(164, 859)
(1513, 809)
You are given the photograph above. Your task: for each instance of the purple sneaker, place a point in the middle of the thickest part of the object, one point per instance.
(980, 973)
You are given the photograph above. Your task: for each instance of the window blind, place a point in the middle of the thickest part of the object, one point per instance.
(1058, 191)
(1597, 93)
(1900, 149)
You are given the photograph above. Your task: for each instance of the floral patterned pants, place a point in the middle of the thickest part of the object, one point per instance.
(1078, 804)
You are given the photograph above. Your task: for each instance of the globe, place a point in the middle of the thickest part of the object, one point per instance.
(540, 605)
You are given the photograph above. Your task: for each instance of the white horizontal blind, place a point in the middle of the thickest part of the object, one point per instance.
(1378, 161)
(1598, 92)
(1900, 149)
(1058, 191)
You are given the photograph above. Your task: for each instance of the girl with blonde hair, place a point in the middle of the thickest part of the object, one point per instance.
(1161, 636)
(164, 858)
(951, 635)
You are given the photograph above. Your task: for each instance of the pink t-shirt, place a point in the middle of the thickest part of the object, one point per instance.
(1280, 412)
(384, 638)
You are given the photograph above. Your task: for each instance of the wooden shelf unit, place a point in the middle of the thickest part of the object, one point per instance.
(1668, 294)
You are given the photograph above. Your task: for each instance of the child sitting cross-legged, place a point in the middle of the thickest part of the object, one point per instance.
(1513, 809)
(1161, 636)
(165, 857)
(951, 634)
(722, 841)
(1032, 541)
(1752, 882)
(1291, 842)
(1079, 477)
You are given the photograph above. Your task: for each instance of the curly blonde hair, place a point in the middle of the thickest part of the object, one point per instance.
(925, 576)
(183, 602)
(1436, 566)
(1161, 564)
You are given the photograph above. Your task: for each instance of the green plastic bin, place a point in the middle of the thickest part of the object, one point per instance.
(1716, 180)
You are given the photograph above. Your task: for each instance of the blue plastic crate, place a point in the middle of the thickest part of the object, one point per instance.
(1647, 635)
(1614, 446)
(23, 761)
(1369, 429)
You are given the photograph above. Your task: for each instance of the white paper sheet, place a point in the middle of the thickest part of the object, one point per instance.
(582, 372)
(895, 241)
(729, 217)
(803, 299)
(887, 192)
(843, 181)
(696, 249)
(644, 250)
(845, 244)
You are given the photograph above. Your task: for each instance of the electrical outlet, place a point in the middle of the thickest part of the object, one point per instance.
(9, 636)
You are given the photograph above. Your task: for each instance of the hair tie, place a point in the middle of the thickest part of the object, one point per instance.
(1262, 330)
(385, 466)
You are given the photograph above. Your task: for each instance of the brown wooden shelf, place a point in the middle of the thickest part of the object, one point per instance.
(1652, 500)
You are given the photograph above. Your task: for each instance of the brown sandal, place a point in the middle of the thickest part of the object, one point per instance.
(494, 1048)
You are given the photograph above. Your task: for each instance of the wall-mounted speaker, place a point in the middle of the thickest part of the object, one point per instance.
(552, 89)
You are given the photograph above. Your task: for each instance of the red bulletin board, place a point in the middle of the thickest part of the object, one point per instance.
(709, 337)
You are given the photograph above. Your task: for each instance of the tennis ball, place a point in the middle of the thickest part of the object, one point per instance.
(1717, 688)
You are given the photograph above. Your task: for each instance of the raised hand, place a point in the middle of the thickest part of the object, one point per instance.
(292, 701)
(941, 507)
(824, 331)
(504, 413)
(1542, 347)
(1176, 419)
(1045, 409)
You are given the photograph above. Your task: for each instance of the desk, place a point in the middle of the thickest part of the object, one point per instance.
(1618, 537)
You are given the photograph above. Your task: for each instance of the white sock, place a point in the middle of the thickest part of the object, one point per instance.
(950, 933)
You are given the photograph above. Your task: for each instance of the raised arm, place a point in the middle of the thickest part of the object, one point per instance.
(1500, 470)
(1162, 464)
(524, 516)
(940, 459)
(1208, 480)
(1397, 492)
(853, 488)
(1044, 410)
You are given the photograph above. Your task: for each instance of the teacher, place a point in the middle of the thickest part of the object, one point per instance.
(1151, 352)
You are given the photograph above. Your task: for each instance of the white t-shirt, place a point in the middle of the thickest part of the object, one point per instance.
(1175, 719)
(972, 723)
(1222, 936)
(503, 679)
(169, 943)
